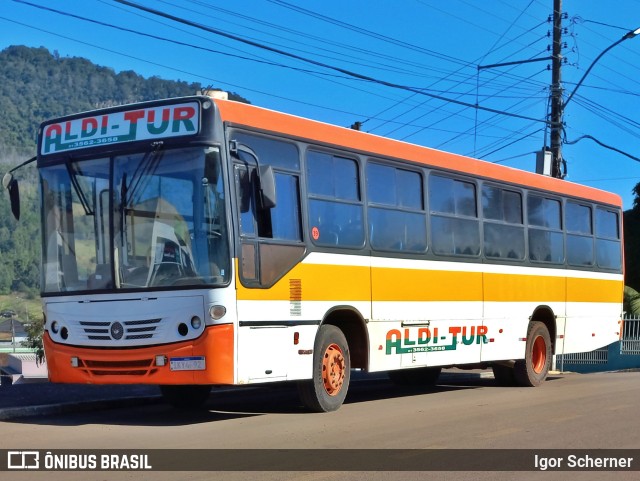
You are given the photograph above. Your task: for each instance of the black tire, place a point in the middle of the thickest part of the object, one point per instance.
(504, 375)
(420, 376)
(186, 396)
(327, 389)
(533, 369)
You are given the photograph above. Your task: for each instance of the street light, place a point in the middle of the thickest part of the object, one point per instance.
(626, 36)
(558, 106)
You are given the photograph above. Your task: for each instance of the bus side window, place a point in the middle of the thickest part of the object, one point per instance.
(335, 208)
(246, 199)
(396, 217)
(579, 227)
(608, 251)
(503, 226)
(271, 235)
(546, 241)
(455, 229)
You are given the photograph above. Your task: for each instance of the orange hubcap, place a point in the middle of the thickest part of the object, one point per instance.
(333, 369)
(539, 355)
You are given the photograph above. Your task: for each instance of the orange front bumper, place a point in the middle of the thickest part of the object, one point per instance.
(138, 366)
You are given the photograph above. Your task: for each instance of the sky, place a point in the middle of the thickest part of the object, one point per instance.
(412, 70)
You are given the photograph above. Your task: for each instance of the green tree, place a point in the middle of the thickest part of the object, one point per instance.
(36, 85)
(35, 330)
(632, 242)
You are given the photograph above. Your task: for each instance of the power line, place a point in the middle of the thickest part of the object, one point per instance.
(321, 64)
(412, 66)
(369, 33)
(176, 42)
(602, 144)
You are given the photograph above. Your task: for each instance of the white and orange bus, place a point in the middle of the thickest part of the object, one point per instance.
(197, 241)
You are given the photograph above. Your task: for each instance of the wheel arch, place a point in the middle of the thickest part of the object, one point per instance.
(353, 325)
(546, 315)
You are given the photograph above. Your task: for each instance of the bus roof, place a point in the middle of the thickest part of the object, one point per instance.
(264, 119)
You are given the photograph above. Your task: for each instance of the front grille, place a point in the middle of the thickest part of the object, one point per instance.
(102, 330)
(139, 367)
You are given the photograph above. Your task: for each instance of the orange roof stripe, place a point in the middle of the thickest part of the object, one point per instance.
(362, 142)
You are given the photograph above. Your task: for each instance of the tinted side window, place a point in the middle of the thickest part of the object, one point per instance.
(503, 228)
(608, 251)
(546, 240)
(455, 229)
(578, 222)
(397, 221)
(332, 176)
(271, 151)
(335, 211)
(452, 196)
(543, 212)
(271, 238)
(285, 216)
(282, 222)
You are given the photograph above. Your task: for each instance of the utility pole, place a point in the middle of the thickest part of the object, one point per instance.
(557, 106)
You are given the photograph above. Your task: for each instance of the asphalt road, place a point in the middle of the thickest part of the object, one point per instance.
(571, 411)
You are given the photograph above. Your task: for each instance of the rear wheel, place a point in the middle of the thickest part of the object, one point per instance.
(421, 376)
(186, 396)
(533, 369)
(328, 387)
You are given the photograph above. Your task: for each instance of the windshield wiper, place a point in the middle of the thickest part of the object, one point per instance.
(146, 166)
(73, 173)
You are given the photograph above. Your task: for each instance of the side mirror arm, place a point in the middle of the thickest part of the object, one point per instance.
(10, 183)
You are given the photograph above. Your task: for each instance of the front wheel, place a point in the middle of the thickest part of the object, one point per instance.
(186, 396)
(533, 369)
(328, 387)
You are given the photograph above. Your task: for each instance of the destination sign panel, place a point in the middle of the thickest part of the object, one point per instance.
(119, 127)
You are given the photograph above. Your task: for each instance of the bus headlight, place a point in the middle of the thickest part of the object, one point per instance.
(54, 327)
(196, 322)
(217, 312)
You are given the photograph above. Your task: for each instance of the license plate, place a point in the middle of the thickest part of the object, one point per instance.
(195, 363)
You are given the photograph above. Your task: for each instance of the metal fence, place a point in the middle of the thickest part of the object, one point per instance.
(630, 342)
(629, 345)
(599, 356)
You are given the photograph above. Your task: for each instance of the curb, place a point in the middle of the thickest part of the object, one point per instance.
(7, 414)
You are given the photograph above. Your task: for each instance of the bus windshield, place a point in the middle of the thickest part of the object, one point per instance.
(137, 221)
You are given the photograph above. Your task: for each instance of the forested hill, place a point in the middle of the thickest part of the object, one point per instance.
(36, 85)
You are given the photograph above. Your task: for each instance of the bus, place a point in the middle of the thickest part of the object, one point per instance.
(198, 241)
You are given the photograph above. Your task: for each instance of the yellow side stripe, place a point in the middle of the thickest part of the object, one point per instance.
(338, 283)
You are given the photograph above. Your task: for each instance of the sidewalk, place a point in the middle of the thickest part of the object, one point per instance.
(45, 398)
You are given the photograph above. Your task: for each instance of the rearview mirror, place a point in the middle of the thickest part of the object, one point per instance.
(267, 187)
(11, 184)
